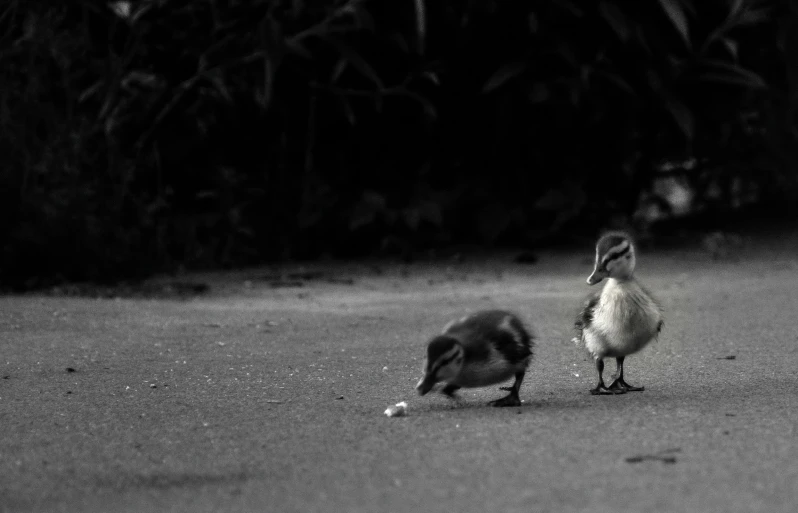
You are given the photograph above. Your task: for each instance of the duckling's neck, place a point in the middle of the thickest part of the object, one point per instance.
(619, 281)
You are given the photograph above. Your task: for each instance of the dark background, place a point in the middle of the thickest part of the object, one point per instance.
(142, 137)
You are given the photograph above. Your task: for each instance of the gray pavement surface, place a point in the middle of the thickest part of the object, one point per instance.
(255, 398)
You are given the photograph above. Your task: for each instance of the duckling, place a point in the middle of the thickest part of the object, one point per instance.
(621, 318)
(481, 349)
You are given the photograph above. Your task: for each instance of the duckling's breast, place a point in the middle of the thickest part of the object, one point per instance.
(625, 320)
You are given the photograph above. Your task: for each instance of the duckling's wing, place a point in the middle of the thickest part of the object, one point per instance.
(585, 317)
(656, 304)
(513, 340)
(650, 296)
(498, 330)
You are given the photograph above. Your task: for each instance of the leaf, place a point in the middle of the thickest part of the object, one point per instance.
(683, 117)
(571, 7)
(401, 42)
(754, 82)
(735, 6)
(297, 6)
(431, 212)
(366, 210)
(539, 93)
(738, 16)
(534, 24)
(429, 109)
(719, 71)
(121, 9)
(615, 18)
(338, 69)
(676, 14)
(731, 46)
(421, 25)
(141, 11)
(348, 112)
(273, 40)
(90, 91)
(432, 77)
(492, 221)
(363, 19)
(265, 97)
(753, 16)
(654, 81)
(297, 48)
(412, 217)
(616, 80)
(356, 60)
(218, 82)
(575, 96)
(375, 200)
(503, 75)
(568, 55)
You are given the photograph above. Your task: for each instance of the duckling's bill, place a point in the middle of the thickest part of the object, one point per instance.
(596, 277)
(425, 384)
(614, 257)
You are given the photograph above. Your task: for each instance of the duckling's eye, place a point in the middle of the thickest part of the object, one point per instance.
(628, 256)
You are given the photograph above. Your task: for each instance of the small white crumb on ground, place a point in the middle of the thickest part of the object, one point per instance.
(399, 410)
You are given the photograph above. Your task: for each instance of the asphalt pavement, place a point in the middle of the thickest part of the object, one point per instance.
(267, 395)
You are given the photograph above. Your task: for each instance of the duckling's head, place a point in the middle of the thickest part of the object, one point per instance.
(444, 362)
(615, 258)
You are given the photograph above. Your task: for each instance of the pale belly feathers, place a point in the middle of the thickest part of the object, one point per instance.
(624, 321)
(495, 370)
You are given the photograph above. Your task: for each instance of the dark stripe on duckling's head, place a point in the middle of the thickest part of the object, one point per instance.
(439, 346)
(610, 240)
(442, 351)
(615, 253)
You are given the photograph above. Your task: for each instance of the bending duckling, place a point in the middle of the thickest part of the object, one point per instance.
(478, 350)
(620, 319)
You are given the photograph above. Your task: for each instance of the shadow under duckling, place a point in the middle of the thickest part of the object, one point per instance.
(620, 319)
(481, 349)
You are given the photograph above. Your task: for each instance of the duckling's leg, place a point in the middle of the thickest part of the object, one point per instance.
(619, 383)
(512, 398)
(601, 389)
(449, 391)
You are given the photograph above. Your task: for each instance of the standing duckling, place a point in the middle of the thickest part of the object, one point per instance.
(478, 350)
(621, 318)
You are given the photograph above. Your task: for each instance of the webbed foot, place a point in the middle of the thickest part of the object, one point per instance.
(603, 390)
(508, 400)
(449, 391)
(623, 386)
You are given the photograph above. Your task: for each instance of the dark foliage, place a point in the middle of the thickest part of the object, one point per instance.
(145, 135)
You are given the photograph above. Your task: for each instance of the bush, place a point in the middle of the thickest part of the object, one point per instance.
(142, 136)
